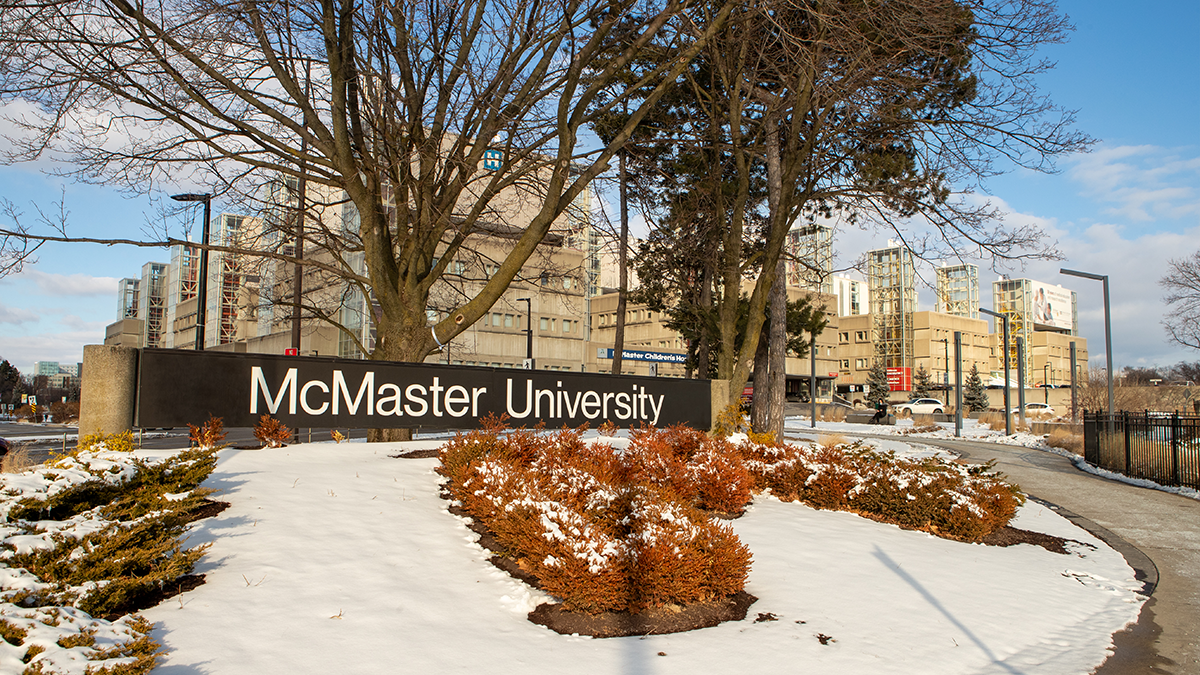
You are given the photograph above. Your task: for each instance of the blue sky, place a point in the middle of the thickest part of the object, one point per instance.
(1125, 209)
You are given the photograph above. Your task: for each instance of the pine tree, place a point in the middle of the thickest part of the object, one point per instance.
(921, 383)
(878, 385)
(975, 396)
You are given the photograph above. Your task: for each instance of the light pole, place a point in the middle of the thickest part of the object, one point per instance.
(945, 362)
(528, 329)
(1007, 407)
(1046, 367)
(958, 383)
(1021, 380)
(1107, 331)
(202, 281)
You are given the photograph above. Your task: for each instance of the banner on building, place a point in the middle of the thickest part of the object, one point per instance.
(178, 387)
(899, 379)
(633, 355)
(1052, 306)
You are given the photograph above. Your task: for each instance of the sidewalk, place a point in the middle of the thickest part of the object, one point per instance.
(1164, 527)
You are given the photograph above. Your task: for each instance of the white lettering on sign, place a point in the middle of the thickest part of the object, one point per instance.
(336, 396)
(259, 383)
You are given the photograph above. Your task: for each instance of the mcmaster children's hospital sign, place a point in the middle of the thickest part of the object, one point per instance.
(177, 387)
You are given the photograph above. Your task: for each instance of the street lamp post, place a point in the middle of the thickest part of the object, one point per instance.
(1007, 407)
(1107, 331)
(1021, 380)
(202, 281)
(957, 383)
(528, 329)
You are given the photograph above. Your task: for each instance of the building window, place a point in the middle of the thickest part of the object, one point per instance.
(858, 363)
(508, 320)
(860, 336)
(845, 364)
(495, 319)
(567, 283)
(844, 337)
(544, 323)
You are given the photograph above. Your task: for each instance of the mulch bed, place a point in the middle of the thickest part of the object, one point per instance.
(207, 509)
(416, 454)
(1011, 536)
(671, 619)
(155, 596)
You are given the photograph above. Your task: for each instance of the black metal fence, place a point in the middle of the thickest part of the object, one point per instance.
(1161, 447)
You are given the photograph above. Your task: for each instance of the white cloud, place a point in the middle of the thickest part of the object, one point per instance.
(71, 284)
(1142, 183)
(66, 347)
(16, 316)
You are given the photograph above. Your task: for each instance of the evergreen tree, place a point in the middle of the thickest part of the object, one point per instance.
(878, 385)
(975, 396)
(921, 383)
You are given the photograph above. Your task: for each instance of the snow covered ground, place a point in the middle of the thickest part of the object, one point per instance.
(972, 431)
(338, 558)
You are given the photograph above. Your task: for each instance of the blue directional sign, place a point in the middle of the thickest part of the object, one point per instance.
(632, 355)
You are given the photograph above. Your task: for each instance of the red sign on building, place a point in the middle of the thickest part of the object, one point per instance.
(899, 379)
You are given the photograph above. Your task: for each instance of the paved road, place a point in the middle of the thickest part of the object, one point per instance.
(42, 439)
(1162, 528)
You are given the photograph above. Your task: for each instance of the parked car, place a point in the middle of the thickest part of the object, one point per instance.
(1035, 409)
(920, 406)
(3, 447)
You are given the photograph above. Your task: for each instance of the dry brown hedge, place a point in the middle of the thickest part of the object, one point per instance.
(606, 530)
(631, 530)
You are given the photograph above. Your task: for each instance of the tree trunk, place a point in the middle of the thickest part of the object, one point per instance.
(623, 265)
(387, 435)
(704, 348)
(760, 404)
(777, 348)
(777, 353)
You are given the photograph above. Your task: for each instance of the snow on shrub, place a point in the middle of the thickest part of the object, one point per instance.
(601, 529)
(957, 501)
(91, 535)
(606, 530)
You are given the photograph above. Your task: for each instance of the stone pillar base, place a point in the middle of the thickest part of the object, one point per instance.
(108, 391)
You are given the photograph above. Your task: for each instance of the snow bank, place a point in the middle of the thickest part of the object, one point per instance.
(337, 558)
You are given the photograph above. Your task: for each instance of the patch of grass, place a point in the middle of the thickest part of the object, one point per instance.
(1067, 440)
(831, 440)
(831, 413)
(17, 459)
(12, 633)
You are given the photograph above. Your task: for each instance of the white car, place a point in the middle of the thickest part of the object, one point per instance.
(920, 406)
(1035, 409)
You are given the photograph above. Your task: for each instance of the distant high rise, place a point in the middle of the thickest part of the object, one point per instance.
(810, 258)
(152, 303)
(852, 296)
(958, 290)
(127, 299)
(182, 284)
(891, 285)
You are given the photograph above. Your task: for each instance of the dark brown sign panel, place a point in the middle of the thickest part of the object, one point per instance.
(177, 387)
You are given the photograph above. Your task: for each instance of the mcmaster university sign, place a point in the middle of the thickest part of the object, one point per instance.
(177, 387)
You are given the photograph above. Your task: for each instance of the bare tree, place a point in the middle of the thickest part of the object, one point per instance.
(437, 121)
(1182, 283)
(893, 114)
